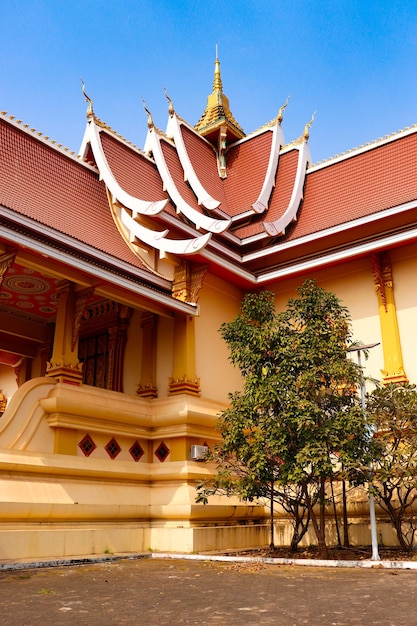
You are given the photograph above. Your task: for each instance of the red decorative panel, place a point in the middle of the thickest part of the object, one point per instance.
(162, 452)
(87, 445)
(136, 451)
(113, 448)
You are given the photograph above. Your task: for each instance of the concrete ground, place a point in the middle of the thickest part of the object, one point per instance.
(154, 592)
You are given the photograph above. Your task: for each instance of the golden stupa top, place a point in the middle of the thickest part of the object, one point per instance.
(217, 112)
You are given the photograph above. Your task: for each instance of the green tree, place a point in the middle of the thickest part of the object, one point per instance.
(297, 420)
(393, 409)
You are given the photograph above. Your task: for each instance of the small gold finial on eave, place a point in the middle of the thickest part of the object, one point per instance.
(171, 110)
(307, 127)
(90, 112)
(149, 114)
(280, 115)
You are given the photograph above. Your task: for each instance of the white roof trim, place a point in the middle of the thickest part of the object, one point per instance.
(290, 215)
(312, 264)
(153, 142)
(329, 231)
(134, 204)
(203, 197)
(156, 239)
(84, 248)
(261, 203)
(342, 255)
(101, 273)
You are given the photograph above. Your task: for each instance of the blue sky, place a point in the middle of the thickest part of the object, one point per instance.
(352, 62)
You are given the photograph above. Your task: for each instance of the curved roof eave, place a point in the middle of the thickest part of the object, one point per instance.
(203, 197)
(200, 220)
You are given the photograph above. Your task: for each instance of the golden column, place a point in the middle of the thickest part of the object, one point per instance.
(187, 283)
(393, 371)
(147, 387)
(184, 378)
(64, 364)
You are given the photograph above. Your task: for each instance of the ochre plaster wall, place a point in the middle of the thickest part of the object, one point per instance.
(164, 354)
(404, 270)
(132, 362)
(219, 302)
(8, 383)
(353, 284)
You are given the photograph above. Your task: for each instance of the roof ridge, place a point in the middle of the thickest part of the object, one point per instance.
(369, 145)
(113, 132)
(39, 135)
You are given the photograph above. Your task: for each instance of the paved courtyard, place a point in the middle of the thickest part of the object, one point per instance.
(153, 592)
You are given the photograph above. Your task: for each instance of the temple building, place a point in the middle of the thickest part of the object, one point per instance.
(118, 266)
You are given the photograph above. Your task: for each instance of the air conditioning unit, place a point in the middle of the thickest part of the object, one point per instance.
(198, 453)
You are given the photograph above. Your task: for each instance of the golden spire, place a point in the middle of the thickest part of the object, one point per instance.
(217, 83)
(217, 113)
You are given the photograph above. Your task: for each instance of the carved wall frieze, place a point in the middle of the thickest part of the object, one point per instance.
(381, 267)
(188, 281)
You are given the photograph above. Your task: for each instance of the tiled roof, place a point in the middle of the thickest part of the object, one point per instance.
(65, 194)
(361, 185)
(246, 166)
(204, 161)
(54, 189)
(134, 172)
(177, 173)
(280, 197)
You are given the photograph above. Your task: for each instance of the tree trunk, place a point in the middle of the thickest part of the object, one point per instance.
(336, 519)
(272, 542)
(323, 552)
(346, 542)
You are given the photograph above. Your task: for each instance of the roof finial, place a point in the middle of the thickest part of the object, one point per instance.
(282, 109)
(149, 114)
(90, 112)
(170, 106)
(217, 84)
(307, 127)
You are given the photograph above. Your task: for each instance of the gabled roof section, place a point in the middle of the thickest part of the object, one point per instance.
(41, 182)
(362, 184)
(175, 196)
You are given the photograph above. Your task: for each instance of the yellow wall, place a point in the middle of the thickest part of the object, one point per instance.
(7, 381)
(404, 271)
(132, 362)
(353, 284)
(164, 357)
(219, 302)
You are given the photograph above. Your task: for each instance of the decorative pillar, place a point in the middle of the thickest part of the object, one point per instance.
(6, 261)
(64, 364)
(147, 387)
(187, 283)
(117, 344)
(184, 378)
(393, 371)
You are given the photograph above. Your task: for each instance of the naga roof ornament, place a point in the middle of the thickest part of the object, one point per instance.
(200, 190)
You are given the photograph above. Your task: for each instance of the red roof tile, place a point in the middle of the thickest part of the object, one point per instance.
(204, 161)
(361, 185)
(136, 174)
(280, 196)
(175, 169)
(246, 166)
